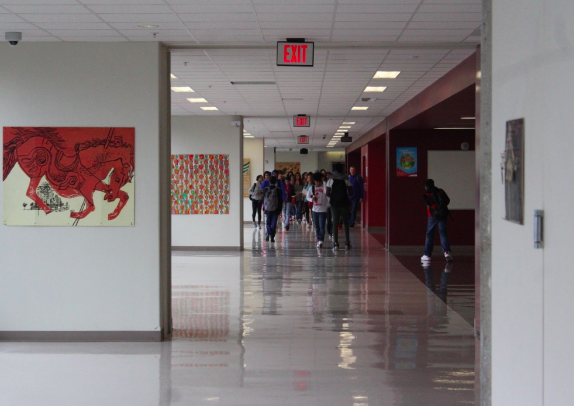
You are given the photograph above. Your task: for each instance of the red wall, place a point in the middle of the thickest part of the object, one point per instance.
(407, 212)
(373, 170)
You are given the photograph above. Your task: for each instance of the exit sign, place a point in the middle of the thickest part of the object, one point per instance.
(291, 53)
(301, 121)
(303, 139)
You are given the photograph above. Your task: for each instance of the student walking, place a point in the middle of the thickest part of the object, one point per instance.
(358, 186)
(273, 201)
(256, 197)
(318, 195)
(437, 202)
(338, 191)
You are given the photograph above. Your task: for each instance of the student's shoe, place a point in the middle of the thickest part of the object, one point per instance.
(272, 239)
(254, 224)
(267, 237)
(347, 245)
(320, 244)
(425, 258)
(447, 256)
(335, 247)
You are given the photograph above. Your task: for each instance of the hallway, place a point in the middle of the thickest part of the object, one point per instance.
(288, 325)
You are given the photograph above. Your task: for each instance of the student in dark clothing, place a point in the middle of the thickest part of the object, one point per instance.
(273, 201)
(436, 201)
(358, 192)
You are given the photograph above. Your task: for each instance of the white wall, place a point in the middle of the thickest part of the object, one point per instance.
(85, 279)
(326, 159)
(532, 327)
(309, 162)
(210, 135)
(269, 159)
(254, 150)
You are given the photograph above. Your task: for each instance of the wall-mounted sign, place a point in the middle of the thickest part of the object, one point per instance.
(301, 121)
(291, 53)
(407, 162)
(303, 139)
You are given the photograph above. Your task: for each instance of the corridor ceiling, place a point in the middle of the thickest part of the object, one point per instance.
(217, 42)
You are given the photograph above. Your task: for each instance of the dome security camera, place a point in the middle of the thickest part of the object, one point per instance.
(13, 38)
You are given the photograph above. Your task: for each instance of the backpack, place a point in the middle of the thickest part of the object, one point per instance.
(251, 191)
(441, 201)
(339, 196)
(271, 199)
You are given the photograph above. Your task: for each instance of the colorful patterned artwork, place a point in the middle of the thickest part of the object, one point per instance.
(200, 184)
(246, 176)
(68, 176)
(287, 167)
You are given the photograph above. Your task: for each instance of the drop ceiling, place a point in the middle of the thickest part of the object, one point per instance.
(216, 42)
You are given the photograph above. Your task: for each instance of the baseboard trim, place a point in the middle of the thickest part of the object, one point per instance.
(81, 336)
(378, 230)
(419, 249)
(184, 248)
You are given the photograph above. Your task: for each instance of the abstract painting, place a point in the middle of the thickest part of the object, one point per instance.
(68, 176)
(200, 184)
(246, 176)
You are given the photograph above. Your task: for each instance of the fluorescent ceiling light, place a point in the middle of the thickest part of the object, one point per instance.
(382, 74)
(454, 128)
(468, 118)
(248, 136)
(148, 26)
(339, 133)
(359, 108)
(349, 123)
(209, 108)
(182, 89)
(197, 100)
(171, 75)
(244, 133)
(375, 89)
(337, 136)
(344, 127)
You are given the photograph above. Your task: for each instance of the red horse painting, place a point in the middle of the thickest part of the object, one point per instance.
(75, 161)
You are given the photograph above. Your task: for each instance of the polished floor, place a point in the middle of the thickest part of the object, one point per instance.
(279, 324)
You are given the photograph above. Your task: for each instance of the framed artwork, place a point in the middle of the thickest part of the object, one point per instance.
(246, 176)
(68, 176)
(407, 162)
(200, 184)
(288, 167)
(512, 168)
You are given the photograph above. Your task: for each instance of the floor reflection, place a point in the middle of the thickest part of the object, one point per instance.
(279, 324)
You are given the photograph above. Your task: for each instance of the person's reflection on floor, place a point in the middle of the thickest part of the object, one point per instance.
(444, 279)
(256, 242)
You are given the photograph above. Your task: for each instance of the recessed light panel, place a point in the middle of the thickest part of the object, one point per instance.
(172, 76)
(349, 123)
(197, 100)
(344, 127)
(182, 89)
(375, 88)
(359, 108)
(209, 108)
(382, 74)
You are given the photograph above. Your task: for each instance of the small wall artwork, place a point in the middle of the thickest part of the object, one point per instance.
(246, 176)
(200, 184)
(288, 167)
(68, 176)
(407, 162)
(512, 168)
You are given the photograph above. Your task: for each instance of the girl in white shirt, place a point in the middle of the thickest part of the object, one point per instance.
(318, 195)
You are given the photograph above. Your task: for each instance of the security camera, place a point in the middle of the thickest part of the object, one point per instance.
(13, 38)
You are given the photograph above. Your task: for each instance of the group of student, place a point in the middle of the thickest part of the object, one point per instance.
(320, 199)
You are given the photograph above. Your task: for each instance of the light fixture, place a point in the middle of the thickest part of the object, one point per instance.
(337, 136)
(148, 26)
(349, 123)
(382, 74)
(172, 76)
(468, 118)
(246, 133)
(340, 133)
(454, 128)
(182, 89)
(248, 136)
(375, 89)
(359, 108)
(209, 108)
(197, 100)
(344, 126)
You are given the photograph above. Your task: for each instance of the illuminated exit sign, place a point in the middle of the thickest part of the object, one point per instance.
(303, 139)
(290, 53)
(301, 121)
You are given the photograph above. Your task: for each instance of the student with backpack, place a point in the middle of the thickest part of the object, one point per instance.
(273, 201)
(338, 190)
(437, 211)
(256, 197)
